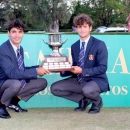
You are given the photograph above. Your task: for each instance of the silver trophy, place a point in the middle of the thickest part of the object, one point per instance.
(56, 61)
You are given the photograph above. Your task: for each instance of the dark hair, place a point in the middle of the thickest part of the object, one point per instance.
(81, 19)
(17, 24)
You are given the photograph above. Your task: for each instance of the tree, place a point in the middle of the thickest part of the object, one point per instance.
(79, 7)
(57, 12)
(108, 12)
(103, 12)
(128, 16)
(1, 15)
(45, 14)
(54, 13)
(9, 11)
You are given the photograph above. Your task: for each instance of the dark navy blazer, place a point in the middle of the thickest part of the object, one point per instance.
(95, 64)
(9, 66)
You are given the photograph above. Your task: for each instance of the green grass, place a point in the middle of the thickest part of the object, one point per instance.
(67, 119)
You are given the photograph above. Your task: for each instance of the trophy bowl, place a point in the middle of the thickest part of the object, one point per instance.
(56, 61)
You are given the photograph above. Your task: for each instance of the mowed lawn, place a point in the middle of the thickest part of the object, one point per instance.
(67, 119)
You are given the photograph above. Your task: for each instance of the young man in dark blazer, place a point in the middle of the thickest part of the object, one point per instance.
(17, 82)
(88, 80)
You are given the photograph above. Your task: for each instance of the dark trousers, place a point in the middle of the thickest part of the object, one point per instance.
(70, 89)
(11, 88)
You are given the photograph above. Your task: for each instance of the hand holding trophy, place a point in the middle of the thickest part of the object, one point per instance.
(56, 61)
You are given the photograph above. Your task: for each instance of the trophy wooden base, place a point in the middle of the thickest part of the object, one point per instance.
(57, 63)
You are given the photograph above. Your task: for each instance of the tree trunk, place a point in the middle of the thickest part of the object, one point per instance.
(55, 27)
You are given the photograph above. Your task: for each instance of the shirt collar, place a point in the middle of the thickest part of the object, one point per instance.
(86, 41)
(14, 47)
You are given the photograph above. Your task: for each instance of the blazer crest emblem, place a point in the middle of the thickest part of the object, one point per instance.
(91, 57)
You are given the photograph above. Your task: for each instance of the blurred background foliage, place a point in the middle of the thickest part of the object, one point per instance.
(55, 15)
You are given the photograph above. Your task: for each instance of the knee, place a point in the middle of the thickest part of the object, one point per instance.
(43, 84)
(16, 86)
(54, 89)
(87, 91)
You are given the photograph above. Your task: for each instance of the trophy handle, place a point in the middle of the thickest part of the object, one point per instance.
(46, 42)
(64, 40)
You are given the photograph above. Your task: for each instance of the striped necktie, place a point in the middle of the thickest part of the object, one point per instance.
(81, 63)
(21, 66)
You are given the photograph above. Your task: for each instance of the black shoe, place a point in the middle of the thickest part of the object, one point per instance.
(16, 108)
(3, 112)
(82, 105)
(96, 109)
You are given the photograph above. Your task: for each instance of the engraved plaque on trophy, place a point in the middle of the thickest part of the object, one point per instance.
(56, 61)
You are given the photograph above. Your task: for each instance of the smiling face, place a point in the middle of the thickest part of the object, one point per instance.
(83, 25)
(16, 35)
(84, 31)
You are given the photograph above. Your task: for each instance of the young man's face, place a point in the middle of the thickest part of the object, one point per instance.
(16, 35)
(84, 31)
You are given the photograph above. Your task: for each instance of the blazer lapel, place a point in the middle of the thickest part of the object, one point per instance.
(77, 50)
(90, 43)
(21, 51)
(12, 51)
